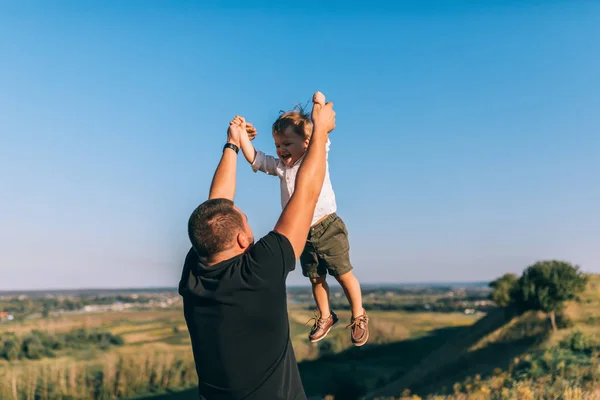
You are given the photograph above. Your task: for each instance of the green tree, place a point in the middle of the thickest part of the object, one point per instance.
(547, 285)
(33, 347)
(503, 289)
(10, 348)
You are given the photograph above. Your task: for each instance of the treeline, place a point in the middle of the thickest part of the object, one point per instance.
(21, 307)
(444, 305)
(545, 286)
(37, 344)
(438, 306)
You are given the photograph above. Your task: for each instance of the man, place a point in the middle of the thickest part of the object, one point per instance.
(234, 292)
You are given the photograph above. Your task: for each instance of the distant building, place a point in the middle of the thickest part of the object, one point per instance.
(4, 315)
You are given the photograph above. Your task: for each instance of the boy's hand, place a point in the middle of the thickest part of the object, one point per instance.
(250, 130)
(237, 128)
(323, 116)
(319, 98)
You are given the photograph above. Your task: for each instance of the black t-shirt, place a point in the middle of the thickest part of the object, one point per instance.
(236, 313)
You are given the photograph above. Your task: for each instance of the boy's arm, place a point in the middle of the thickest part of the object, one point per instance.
(247, 148)
(265, 163)
(257, 159)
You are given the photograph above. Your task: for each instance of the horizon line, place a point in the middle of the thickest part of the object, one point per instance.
(175, 288)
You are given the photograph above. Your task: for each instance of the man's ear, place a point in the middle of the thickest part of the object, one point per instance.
(242, 240)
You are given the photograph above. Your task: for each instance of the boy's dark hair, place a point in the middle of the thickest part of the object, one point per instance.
(298, 119)
(212, 226)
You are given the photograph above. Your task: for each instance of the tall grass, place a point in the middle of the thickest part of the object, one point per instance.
(116, 376)
(519, 390)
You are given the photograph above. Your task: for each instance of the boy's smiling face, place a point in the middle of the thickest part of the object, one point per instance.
(290, 146)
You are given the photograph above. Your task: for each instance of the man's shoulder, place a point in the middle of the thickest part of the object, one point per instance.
(191, 260)
(274, 248)
(274, 239)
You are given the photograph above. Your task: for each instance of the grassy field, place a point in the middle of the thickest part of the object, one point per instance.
(410, 355)
(156, 356)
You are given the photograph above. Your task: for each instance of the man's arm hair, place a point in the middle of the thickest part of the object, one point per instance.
(295, 220)
(223, 183)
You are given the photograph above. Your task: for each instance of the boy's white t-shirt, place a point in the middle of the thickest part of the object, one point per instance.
(273, 166)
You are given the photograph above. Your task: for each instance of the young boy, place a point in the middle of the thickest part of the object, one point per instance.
(327, 247)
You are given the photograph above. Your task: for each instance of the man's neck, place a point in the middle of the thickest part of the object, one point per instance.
(220, 257)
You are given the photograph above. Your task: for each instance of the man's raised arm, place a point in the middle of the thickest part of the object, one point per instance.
(296, 218)
(223, 183)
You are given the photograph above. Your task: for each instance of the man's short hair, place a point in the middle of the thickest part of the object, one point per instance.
(213, 226)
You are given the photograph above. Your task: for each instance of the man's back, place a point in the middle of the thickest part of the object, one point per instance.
(236, 312)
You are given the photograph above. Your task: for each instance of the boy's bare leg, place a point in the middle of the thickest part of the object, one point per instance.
(359, 333)
(351, 288)
(327, 318)
(320, 290)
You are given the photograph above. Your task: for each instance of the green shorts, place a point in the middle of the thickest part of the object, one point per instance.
(327, 249)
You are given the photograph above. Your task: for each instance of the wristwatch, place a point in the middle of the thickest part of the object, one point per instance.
(232, 147)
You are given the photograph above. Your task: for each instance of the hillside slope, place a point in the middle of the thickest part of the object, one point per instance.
(492, 343)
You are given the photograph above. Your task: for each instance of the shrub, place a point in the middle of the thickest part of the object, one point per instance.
(39, 344)
(10, 348)
(33, 348)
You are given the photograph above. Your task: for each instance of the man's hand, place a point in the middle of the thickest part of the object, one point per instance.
(237, 128)
(322, 115)
(251, 131)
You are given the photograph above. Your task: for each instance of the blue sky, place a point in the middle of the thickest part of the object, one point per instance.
(466, 146)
